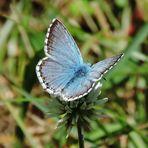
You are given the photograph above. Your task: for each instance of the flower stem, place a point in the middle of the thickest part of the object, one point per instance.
(80, 135)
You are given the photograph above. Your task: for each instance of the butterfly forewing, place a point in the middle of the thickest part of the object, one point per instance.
(102, 67)
(60, 45)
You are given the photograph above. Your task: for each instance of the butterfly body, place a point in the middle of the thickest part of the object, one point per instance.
(62, 72)
(82, 70)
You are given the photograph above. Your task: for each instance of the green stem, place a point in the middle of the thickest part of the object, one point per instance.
(80, 135)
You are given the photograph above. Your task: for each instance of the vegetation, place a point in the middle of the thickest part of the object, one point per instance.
(101, 28)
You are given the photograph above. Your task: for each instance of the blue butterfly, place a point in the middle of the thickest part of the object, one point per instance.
(62, 72)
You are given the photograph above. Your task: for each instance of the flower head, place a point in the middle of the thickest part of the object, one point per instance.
(83, 109)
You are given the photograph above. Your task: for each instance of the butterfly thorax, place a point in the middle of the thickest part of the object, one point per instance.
(82, 70)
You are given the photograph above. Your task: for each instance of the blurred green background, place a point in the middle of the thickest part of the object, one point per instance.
(101, 28)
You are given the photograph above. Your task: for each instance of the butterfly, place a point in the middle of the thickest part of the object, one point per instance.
(62, 72)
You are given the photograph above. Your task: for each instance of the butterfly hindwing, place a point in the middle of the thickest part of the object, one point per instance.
(79, 88)
(52, 75)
